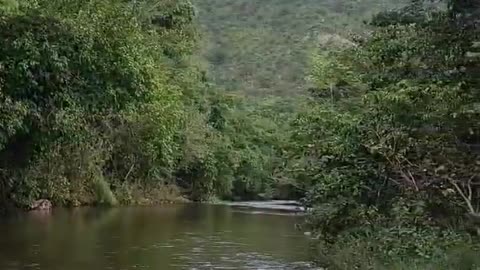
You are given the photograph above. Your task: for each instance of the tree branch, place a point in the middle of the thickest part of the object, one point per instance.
(463, 195)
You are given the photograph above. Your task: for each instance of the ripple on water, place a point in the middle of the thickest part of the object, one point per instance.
(214, 252)
(198, 260)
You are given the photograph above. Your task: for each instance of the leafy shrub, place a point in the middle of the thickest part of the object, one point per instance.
(399, 248)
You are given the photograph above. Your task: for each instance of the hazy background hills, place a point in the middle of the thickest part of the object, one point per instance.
(262, 47)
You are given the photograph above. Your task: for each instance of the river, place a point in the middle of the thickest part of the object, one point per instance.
(170, 237)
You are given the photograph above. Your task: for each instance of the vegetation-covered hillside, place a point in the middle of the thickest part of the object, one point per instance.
(263, 47)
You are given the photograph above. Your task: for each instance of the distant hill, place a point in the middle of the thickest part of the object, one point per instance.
(262, 46)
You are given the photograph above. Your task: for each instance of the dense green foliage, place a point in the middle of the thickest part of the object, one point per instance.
(390, 141)
(80, 88)
(102, 102)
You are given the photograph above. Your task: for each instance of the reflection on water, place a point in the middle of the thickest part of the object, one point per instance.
(166, 237)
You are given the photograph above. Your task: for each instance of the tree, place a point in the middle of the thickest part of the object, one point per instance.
(75, 75)
(394, 150)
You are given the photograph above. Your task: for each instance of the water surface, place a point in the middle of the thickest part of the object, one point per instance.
(167, 237)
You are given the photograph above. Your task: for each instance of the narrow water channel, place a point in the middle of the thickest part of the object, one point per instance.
(167, 237)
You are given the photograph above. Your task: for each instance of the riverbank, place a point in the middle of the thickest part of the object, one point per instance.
(284, 206)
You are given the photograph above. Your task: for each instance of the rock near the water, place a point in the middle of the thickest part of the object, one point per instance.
(41, 205)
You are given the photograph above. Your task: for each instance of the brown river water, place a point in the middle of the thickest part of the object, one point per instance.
(170, 237)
